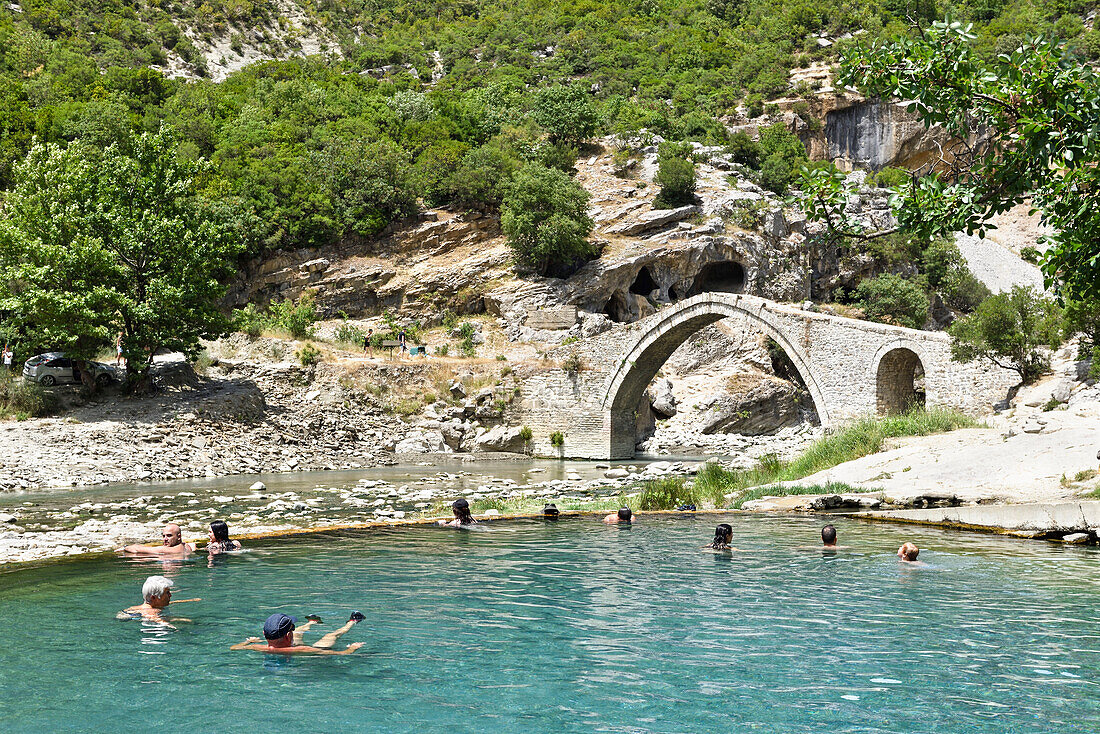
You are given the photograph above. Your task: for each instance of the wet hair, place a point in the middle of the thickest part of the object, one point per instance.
(828, 535)
(624, 514)
(221, 532)
(154, 587)
(551, 511)
(909, 551)
(723, 534)
(462, 511)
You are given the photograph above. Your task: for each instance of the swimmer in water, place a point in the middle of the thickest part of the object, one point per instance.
(461, 510)
(828, 539)
(723, 537)
(550, 512)
(157, 592)
(908, 553)
(219, 539)
(281, 638)
(623, 517)
(172, 545)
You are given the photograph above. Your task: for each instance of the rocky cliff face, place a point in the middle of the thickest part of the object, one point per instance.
(872, 134)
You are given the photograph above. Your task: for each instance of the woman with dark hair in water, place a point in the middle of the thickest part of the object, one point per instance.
(723, 536)
(461, 509)
(219, 538)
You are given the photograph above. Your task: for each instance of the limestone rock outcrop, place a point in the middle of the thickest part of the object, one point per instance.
(753, 404)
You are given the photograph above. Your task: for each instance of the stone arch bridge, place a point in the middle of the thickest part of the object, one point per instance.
(851, 369)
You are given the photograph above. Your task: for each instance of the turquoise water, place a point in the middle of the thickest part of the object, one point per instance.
(574, 627)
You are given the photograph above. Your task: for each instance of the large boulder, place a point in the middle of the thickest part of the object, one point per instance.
(753, 404)
(501, 438)
(453, 432)
(661, 398)
(423, 442)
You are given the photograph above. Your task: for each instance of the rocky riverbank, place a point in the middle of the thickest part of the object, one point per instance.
(57, 524)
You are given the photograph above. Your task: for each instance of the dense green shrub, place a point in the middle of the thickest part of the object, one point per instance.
(308, 355)
(744, 150)
(891, 299)
(566, 113)
(349, 334)
(295, 317)
(545, 216)
(1083, 319)
(676, 177)
(947, 274)
(783, 154)
(249, 320)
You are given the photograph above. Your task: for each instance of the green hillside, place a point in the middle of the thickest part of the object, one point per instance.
(311, 150)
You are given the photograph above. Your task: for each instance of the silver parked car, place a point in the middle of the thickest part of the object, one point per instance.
(55, 368)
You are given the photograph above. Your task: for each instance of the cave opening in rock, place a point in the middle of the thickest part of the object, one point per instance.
(727, 276)
(900, 382)
(643, 284)
(617, 308)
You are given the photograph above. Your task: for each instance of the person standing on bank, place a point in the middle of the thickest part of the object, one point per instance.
(9, 355)
(368, 348)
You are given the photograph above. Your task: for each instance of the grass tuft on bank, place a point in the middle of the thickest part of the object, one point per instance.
(862, 438)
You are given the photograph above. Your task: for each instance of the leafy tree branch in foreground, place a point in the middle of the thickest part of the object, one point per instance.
(1024, 127)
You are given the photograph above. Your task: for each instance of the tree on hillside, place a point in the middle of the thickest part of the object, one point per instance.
(545, 216)
(1025, 127)
(1011, 330)
(95, 244)
(675, 175)
(566, 113)
(783, 155)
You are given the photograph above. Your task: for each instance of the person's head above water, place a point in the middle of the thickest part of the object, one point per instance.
(908, 552)
(461, 509)
(723, 535)
(625, 514)
(219, 531)
(828, 535)
(171, 535)
(278, 627)
(157, 591)
(551, 511)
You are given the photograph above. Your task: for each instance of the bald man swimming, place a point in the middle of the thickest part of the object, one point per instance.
(172, 545)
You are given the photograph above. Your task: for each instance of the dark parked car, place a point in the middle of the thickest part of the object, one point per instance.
(55, 368)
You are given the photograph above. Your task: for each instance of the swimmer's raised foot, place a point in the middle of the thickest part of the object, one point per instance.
(314, 618)
(356, 617)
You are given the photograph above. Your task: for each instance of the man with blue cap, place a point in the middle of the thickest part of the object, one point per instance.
(283, 638)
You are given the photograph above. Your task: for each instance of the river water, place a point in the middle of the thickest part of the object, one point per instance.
(574, 627)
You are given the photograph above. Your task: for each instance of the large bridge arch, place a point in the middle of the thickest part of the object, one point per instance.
(630, 377)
